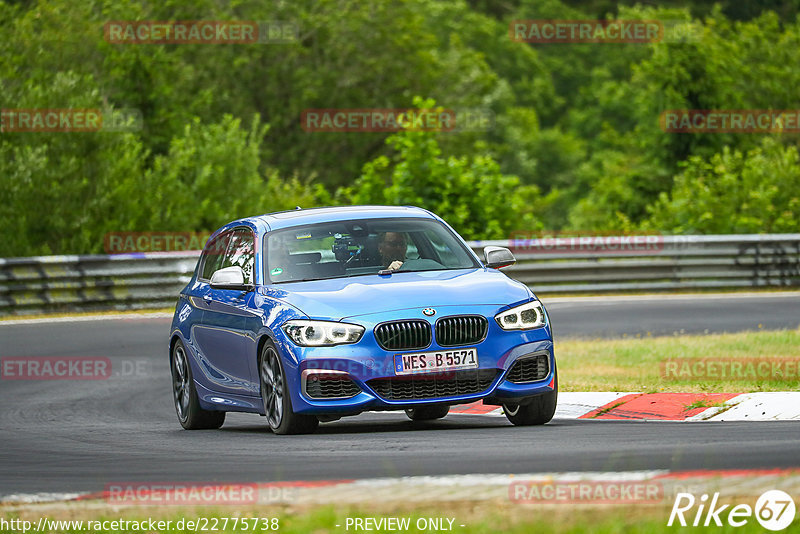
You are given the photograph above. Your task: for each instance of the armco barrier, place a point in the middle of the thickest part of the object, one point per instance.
(607, 264)
(661, 263)
(97, 282)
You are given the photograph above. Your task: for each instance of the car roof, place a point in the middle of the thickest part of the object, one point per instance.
(297, 217)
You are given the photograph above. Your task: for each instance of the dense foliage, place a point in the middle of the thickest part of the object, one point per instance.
(575, 144)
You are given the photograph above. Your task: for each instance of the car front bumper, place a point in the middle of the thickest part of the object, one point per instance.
(365, 361)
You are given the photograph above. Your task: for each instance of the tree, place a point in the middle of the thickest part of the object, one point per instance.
(734, 192)
(471, 193)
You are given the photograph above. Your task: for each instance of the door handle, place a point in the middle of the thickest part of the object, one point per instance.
(207, 298)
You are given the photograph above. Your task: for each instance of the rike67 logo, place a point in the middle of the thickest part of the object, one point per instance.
(774, 510)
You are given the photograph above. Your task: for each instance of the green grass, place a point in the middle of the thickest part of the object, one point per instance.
(702, 403)
(634, 364)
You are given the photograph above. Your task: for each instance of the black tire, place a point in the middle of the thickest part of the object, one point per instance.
(538, 411)
(187, 404)
(428, 413)
(275, 396)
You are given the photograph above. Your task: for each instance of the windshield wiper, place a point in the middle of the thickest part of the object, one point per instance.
(391, 271)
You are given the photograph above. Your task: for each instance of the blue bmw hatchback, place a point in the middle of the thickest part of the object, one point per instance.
(311, 315)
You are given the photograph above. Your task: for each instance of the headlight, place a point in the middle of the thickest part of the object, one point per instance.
(522, 317)
(322, 333)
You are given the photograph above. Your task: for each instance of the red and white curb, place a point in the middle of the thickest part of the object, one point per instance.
(766, 406)
(562, 487)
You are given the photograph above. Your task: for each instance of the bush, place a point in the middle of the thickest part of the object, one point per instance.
(470, 193)
(734, 192)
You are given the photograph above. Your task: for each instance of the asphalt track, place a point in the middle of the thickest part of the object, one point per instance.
(672, 314)
(77, 436)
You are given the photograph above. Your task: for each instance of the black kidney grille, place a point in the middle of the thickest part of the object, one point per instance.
(403, 335)
(330, 387)
(461, 330)
(434, 385)
(529, 369)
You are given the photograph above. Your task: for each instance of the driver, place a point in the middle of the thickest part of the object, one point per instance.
(392, 249)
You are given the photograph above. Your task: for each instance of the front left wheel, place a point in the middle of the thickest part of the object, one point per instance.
(187, 403)
(538, 411)
(275, 396)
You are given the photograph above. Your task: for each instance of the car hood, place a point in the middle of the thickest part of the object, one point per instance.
(339, 298)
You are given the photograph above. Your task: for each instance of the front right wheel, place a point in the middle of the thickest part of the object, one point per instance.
(275, 397)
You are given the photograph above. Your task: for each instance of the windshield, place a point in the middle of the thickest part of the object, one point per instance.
(363, 247)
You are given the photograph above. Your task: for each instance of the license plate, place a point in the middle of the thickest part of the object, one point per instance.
(426, 362)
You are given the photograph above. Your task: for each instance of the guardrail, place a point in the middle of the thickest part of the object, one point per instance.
(91, 283)
(654, 263)
(551, 265)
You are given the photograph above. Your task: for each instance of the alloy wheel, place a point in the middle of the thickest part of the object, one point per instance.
(272, 387)
(180, 382)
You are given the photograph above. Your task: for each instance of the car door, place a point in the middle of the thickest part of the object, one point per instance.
(226, 335)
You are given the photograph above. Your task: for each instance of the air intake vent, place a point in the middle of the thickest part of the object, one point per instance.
(461, 330)
(330, 386)
(529, 369)
(434, 385)
(403, 335)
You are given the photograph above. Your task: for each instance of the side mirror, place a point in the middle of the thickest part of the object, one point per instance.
(498, 257)
(230, 278)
